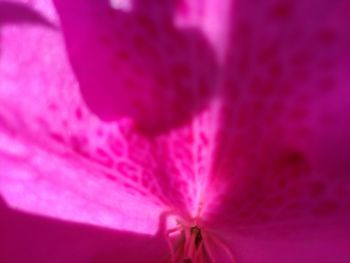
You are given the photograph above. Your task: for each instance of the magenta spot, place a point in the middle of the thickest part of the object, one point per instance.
(78, 113)
(99, 133)
(127, 169)
(286, 89)
(276, 202)
(128, 186)
(79, 143)
(317, 189)
(294, 193)
(116, 146)
(327, 64)
(153, 189)
(300, 74)
(342, 191)
(326, 208)
(203, 88)
(293, 165)
(53, 107)
(145, 48)
(203, 139)
(292, 205)
(262, 217)
(145, 183)
(110, 177)
(301, 58)
(182, 153)
(106, 40)
(123, 55)
(327, 37)
(282, 11)
(101, 152)
(265, 55)
(181, 71)
(134, 178)
(327, 84)
(65, 123)
(183, 8)
(282, 182)
(148, 25)
(264, 88)
(298, 114)
(57, 137)
(275, 70)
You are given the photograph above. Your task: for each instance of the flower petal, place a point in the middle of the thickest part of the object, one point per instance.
(56, 158)
(35, 239)
(283, 153)
(292, 243)
(59, 160)
(137, 63)
(284, 138)
(73, 166)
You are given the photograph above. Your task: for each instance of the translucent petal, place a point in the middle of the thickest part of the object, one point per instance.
(51, 158)
(58, 159)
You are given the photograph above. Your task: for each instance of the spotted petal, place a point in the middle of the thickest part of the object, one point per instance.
(59, 159)
(283, 159)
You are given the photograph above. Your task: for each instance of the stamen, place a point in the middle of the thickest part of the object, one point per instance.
(191, 244)
(195, 230)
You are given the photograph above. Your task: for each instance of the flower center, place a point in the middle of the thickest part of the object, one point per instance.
(187, 244)
(196, 232)
(191, 243)
(193, 246)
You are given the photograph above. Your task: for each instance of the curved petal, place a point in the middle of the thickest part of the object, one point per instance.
(56, 158)
(35, 239)
(155, 73)
(73, 166)
(59, 160)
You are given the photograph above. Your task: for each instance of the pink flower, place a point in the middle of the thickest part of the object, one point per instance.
(184, 131)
